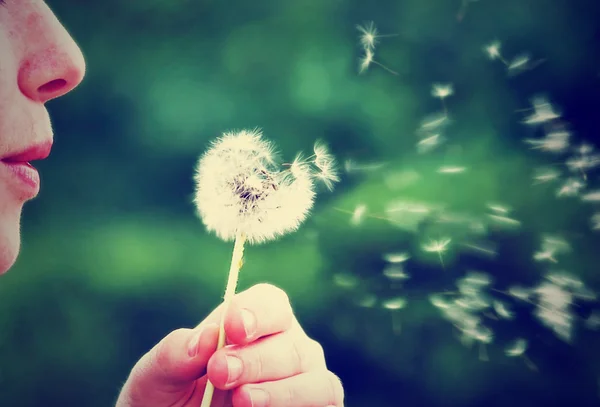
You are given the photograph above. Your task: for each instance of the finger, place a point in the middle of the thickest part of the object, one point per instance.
(271, 358)
(314, 389)
(259, 311)
(172, 365)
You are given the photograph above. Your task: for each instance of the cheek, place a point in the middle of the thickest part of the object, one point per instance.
(10, 236)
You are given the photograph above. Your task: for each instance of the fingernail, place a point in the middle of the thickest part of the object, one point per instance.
(193, 344)
(234, 369)
(249, 322)
(259, 398)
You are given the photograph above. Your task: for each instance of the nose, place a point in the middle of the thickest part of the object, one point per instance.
(52, 64)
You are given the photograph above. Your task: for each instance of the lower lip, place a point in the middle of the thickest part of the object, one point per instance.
(27, 177)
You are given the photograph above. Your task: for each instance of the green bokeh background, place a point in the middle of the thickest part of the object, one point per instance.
(113, 257)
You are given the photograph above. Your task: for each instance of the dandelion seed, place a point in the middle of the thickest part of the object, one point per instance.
(442, 91)
(396, 257)
(451, 170)
(556, 141)
(242, 195)
(345, 280)
(370, 36)
(502, 310)
(395, 304)
(493, 52)
(543, 175)
(439, 301)
(438, 246)
(351, 166)
(543, 112)
(428, 143)
(358, 214)
(517, 348)
(593, 321)
(395, 272)
(367, 301)
(367, 60)
(595, 221)
(434, 122)
(570, 188)
(505, 221)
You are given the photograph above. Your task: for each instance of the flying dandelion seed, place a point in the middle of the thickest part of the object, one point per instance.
(544, 175)
(429, 143)
(395, 304)
(367, 59)
(243, 195)
(396, 257)
(395, 273)
(502, 310)
(345, 280)
(442, 91)
(438, 246)
(570, 188)
(358, 214)
(543, 112)
(517, 349)
(595, 221)
(493, 52)
(367, 301)
(451, 170)
(369, 35)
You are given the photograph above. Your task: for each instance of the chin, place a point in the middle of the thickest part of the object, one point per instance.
(10, 240)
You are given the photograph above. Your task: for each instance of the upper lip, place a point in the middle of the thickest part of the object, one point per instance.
(35, 152)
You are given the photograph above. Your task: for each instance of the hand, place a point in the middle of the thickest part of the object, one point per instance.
(272, 361)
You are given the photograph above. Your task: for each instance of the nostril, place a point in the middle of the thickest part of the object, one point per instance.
(52, 86)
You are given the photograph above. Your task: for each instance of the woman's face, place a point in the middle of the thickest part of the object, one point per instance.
(39, 61)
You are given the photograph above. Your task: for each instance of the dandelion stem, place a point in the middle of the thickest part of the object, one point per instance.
(234, 271)
(385, 67)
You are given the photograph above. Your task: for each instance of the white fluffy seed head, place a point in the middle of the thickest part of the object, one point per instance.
(240, 186)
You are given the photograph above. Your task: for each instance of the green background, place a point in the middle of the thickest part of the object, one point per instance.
(114, 258)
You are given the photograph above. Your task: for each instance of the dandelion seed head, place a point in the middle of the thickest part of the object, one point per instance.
(239, 186)
(368, 37)
(442, 91)
(493, 50)
(517, 348)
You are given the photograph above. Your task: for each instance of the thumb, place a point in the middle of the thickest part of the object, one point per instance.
(167, 372)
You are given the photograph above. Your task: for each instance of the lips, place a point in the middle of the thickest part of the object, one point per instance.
(26, 177)
(36, 152)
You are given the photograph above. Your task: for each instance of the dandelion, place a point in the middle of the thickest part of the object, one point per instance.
(367, 60)
(243, 195)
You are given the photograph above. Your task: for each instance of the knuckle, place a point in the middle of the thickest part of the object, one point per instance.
(317, 353)
(160, 360)
(336, 390)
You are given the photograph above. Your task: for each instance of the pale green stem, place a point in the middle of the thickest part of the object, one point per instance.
(234, 271)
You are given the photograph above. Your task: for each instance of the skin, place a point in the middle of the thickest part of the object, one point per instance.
(278, 363)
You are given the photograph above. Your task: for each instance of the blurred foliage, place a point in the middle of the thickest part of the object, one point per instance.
(114, 258)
